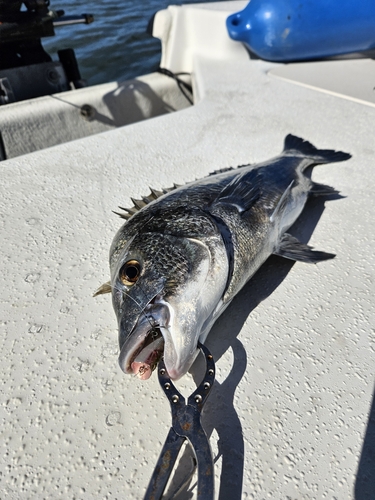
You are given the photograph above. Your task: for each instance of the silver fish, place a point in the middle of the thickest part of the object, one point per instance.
(185, 252)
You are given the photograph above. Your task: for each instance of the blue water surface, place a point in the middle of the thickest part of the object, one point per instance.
(114, 47)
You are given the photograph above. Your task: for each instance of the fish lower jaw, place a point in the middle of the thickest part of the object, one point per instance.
(175, 374)
(177, 366)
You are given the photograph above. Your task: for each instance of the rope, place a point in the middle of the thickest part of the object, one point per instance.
(183, 86)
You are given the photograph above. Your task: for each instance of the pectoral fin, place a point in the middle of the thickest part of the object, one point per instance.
(243, 191)
(291, 248)
(105, 288)
(282, 203)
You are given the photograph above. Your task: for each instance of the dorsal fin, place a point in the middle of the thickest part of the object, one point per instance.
(227, 169)
(221, 171)
(145, 200)
(138, 204)
(155, 194)
(123, 216)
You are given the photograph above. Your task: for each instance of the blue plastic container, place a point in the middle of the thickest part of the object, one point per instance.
(293, 30)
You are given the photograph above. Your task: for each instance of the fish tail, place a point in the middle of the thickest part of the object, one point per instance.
(293, 145)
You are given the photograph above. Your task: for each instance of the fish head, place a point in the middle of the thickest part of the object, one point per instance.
(164, 290)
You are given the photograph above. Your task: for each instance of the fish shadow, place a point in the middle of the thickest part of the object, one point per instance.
(220, 413)
(364, 488)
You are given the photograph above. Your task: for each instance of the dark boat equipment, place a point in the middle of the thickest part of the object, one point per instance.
(26, 70)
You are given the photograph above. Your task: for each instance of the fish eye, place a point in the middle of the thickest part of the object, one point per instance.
(129, 272)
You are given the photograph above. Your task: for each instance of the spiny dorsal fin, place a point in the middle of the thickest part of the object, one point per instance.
(139, 204)
(130, 211)
(123, 216)
(147, 199)
(155, 194)
(105, 288)
(168, 190)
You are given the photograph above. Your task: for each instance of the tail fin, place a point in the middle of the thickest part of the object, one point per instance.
(297, 145)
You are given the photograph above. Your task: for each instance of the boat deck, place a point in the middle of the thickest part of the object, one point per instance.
(292, 414)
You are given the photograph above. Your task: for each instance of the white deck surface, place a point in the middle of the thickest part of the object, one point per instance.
(295, 352)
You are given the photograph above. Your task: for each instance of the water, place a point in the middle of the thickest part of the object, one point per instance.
(115, 46)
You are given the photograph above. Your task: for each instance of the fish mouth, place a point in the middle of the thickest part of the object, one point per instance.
(156, 335)
(146, 356)
(144, 347)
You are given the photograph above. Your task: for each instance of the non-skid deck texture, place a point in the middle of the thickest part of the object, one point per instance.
(292, 414)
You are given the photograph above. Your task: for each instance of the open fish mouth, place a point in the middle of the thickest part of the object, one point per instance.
(141, 353)
(144, 345)
(146, 357)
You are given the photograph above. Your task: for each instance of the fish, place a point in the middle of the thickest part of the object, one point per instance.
(185, 252)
